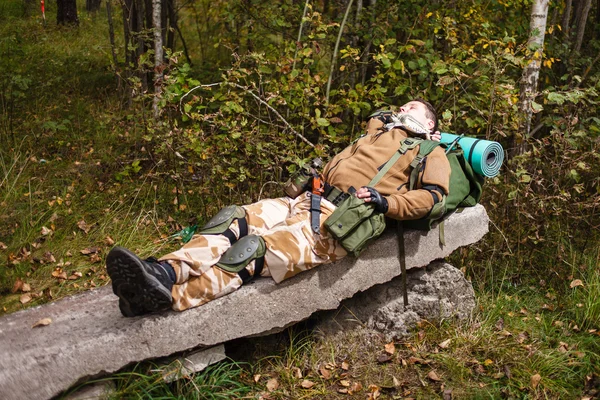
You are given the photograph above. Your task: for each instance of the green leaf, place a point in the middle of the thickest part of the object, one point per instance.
(556, 98)
(536, 106)
(323, 122)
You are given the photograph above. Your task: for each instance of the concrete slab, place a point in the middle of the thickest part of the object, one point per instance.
(88, 337)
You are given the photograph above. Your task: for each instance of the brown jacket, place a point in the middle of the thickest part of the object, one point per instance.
(360, 162)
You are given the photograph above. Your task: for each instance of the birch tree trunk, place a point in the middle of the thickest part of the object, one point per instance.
(158, 54)
(531, 73)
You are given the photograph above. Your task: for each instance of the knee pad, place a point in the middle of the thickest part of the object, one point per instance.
(220, 223)
(241, 253)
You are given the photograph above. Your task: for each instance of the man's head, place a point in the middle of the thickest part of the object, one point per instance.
(423, 112)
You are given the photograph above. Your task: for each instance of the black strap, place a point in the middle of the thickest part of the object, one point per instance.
(258, 267)
(243, 224)
(315, 213)
(431, 189)
(230, 235)
(402, 259)
(473, 150)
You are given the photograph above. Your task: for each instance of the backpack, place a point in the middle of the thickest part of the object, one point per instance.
(464, 190)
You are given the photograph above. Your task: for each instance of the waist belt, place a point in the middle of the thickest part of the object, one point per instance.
(334, 195)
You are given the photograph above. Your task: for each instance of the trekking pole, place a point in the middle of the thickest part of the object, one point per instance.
(453, 143)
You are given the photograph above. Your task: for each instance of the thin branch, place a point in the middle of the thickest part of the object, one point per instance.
(287, 124)
(335, 50)
(300, 33)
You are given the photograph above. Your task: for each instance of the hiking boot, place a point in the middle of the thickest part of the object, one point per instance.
(143, 286)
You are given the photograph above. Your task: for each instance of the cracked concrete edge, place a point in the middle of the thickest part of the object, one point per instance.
(42, 362)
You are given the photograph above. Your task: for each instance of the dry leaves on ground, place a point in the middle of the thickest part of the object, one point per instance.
(535, 380)
(42, 322)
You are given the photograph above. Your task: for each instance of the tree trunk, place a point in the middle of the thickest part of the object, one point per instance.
(93, 5)
(529, 80)
(581, 19)
(66, 12)
(158, 54)
(566, 18)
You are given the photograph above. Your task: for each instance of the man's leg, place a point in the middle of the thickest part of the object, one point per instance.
(292, 247)
(198, 279)
(142, 285)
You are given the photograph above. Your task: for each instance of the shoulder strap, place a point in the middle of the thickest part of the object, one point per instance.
(405, 145)
(426, 147)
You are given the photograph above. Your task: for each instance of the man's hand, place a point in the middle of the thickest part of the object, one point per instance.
(436, 136)
(370, 195)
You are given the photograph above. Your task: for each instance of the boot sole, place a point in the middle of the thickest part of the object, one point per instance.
(139, 292)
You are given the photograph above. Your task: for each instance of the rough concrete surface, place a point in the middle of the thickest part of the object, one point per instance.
(88, 336)
(434, 292)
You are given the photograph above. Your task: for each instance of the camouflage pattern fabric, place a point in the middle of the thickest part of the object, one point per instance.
(292, 247)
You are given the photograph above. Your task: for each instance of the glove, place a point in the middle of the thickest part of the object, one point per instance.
(380, 202)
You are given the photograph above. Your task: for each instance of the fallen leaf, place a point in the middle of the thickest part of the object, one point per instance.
(563, 347)
(500, 324)
(342, 390)
(109, 241)
(17, 286)
(257, 378)
(433, 376)
(445, 344)
(75, 275)
(297, 372)
(45, 231)
(396, 382)
(447, 394)
(26, 288)
(325, 373)
(507, 371)
(3, 246)
(355, 387)
(90, 250)
(25, 298)
(272, 384)
(390, 348)
(95, 258)
(345, 366)
(59, 273)
(558, 323)
(535, 380)
(345, 383)
(42, 322)
(374, 389)
(306, 384)
(575, 283)
(49, 257)
(83, 226)
(488, 362)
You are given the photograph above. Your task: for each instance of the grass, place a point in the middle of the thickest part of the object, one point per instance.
(521, 343)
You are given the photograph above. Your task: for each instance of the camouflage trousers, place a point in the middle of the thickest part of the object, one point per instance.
(291, 247)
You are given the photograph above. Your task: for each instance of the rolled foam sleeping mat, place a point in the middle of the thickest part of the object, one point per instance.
(485, 156)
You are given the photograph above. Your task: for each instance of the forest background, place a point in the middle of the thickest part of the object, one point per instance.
(112, 131)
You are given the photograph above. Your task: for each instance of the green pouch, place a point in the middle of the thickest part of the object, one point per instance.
(354, 224)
